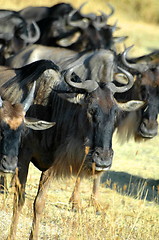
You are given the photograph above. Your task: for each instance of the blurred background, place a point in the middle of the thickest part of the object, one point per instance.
(137, 19)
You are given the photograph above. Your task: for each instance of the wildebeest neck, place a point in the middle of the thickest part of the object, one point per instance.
(89, 123)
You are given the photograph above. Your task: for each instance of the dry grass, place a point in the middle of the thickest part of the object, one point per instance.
(129, 193)
(129, 196)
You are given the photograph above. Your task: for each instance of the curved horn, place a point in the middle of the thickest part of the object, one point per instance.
(88, 85)
(116, 89)
(102, 22)
(103, 18)
(81, 6)
(31, 39)
(83, 23)
(138, 67)
(112, 10)
(28, 101)
(91, 16)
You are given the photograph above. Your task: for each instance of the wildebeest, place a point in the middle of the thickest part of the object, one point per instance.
(91, 68)
(63, 26)
(12, 117)
(85, 112)
(52, 21)
(140, 124)
(12, 121)
(37, 52)
(94, 32)
(146, 88)
(77, 31)
(132, 124)
(15, 32)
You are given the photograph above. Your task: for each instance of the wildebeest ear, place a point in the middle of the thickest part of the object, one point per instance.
(73, 97)
(36, 124)
(132, 105)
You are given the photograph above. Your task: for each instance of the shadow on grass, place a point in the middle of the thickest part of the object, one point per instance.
(131, 185)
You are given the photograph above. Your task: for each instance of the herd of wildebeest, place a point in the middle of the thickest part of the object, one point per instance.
(65, 89)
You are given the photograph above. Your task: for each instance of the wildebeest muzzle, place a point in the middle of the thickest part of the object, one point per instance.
(8, 164)
(148, 129)
(102, 159)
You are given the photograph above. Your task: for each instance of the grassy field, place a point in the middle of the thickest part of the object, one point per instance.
(129, 192)
(129, 196)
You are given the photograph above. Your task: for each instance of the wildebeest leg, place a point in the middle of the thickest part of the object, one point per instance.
(39, 202)
(19, 199)
(95, 192)
(75, 198)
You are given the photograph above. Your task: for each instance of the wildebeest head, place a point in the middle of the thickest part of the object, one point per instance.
(15, 32)
(53, 27)
(101, 110)
(146, 88)
(94, 33)
(89, 31)
(12, 120)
